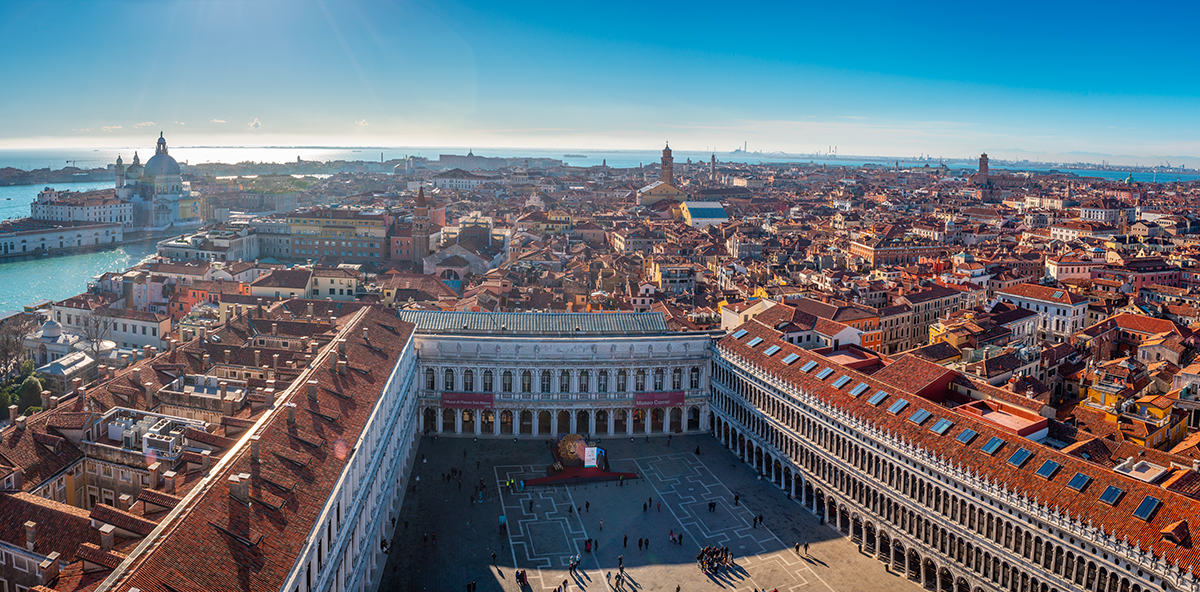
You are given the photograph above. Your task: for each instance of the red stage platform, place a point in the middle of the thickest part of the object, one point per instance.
(578, 474)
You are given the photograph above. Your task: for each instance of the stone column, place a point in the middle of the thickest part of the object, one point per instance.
(457, 421)
(612, 418)
(704, 411)
(554, 422)
(439, 419)
(495, 422)
(478, 422)
(421, 420)
(574, 422)
(792, 486)
(591, 421)
(629, 421)
(649, 423)
(535, 421)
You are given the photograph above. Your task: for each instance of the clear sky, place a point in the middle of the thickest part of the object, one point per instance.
(1115, 81)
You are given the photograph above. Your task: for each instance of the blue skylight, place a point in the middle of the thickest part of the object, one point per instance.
(790, 358)
(1079, 481)
(824, 373)
(1146, 508)
(992, 445)
(841, 381)
(740, 334)
(858, 389)
(919, 416)
(754, 342)
(1111, 495)
(771, 350)
(808, 366)
(940, 426)
(1019, 457)
(877, 398)
(898, 406)
(1048, 469)
(966, 436)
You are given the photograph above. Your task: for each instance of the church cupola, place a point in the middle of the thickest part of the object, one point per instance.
(161, 148)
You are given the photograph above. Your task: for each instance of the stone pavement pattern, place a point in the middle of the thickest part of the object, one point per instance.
(549, 525)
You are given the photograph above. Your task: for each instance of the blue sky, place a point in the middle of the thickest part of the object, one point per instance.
(1015, 79)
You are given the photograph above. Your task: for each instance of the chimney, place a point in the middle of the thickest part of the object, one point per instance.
(291, 413)
(45, 399)
(341, 367)
(153, 351)
(274, 328)
(207, 360)
(313, 347)
(76, 383)
(12, 414)
(342, 347)
(239, 487)
(21, 422)
(107, 537)
(141, 375)
(146, 352)
(100, 372)
(48, 569)
(310, 309)
(205, 459)
(148, 390)
(172, 344)
(270, 395)
(169, 481)
(155, 474)
(257, 355)
(30, 535)
(274, 360)
(254, 449)
(224, 386)
(125, 501)
(312, 390)
(366, 337)
(54, 402)
(227, 354)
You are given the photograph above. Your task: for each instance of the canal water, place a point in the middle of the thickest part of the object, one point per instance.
(29, 279)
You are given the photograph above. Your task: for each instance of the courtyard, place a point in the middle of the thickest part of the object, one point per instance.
(444, 539)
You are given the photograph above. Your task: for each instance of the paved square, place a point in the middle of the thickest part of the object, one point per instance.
(549, 526)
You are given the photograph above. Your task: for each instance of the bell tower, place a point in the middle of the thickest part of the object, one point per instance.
(668, 167)
(420, 232)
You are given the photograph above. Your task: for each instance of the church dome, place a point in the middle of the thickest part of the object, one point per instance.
(161, 163)
(52, 329)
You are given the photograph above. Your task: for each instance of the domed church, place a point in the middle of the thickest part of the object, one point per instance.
(156, 189)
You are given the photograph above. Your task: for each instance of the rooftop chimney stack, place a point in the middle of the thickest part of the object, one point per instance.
(239, 487)
(274, 328)
(12, 414)
(48, 569)
(124, 502)
(291, 413)
(254, 448)
(30, 535)
(169, 481)
(312, 390)
(107, 537)
(45, 399)
(257, 355)
(310, 311)
(54, 402)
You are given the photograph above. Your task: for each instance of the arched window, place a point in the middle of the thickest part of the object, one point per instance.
(602, 381)
(448, 380)
(429, 381)
(527, 382)
(622, 381)
(585, 381)
(658, 379)
(564, 382)
(487, 381)
(677, 379)
(545, 381)
(507, 381)
(468, 381)
(639, 381)
(695, 377)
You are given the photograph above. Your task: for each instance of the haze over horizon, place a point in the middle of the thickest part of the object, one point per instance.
(1034, 81)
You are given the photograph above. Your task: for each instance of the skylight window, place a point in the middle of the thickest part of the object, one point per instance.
(877, 398)
(1146, 508)
(1019, 457)
(966, 436)
(754, 342)
(1079, 481)
(858, 389)
(808, 366)
(1057, 295)
(740, 334)
(771, 350)
(841, 382)
(992, 445)
(919, 416)
(790, 358)
(898, 406)
(824, 373)
(940, 426)
(1049, 468)
(1111, 495)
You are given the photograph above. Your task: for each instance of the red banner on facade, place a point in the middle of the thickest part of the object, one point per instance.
(467, 400)
(668, 399)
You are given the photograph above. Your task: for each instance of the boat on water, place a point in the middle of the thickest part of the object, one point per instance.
(574, 156)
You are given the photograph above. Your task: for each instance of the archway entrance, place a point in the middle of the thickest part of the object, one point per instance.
(527, 422)
(468, 421)
(430, 420)
(506, 422)
(487, 421)
(564, 422)
(656, 420)
(602, 421)
(581, 423)
(448, 420)
(544, 422)
(693, 423)
(639, 421)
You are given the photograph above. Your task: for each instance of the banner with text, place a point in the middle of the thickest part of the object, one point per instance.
(669, 399)
(467, 400)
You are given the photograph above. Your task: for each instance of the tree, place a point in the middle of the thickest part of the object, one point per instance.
(31, 393)
(12, 340)
(95, 330)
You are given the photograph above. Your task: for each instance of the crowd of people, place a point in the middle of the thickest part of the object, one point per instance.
(713, 558)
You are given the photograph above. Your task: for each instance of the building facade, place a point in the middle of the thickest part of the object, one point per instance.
(519, 374)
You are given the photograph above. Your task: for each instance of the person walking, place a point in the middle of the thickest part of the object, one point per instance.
(639, 544)
(736, 497)
(659, 506)
(643, 508)
(621, 563)
(587, 507)
(625, 541)
(647, 544)
(493, 556)
(649, 501)
(806, 548)
(681, 539)
(601, 524)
